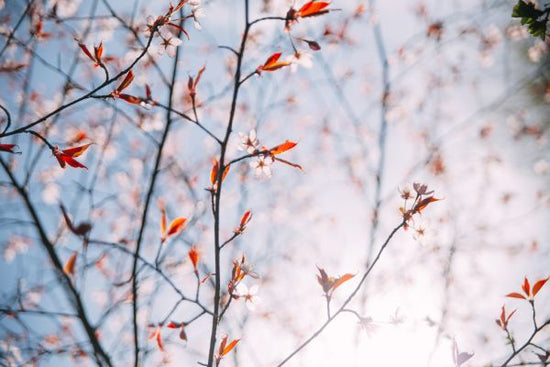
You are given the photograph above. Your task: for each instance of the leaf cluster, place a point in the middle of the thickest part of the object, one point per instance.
(535, 19)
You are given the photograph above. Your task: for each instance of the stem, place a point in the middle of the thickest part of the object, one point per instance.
(99, 353)
(217, 193)
(148, 198)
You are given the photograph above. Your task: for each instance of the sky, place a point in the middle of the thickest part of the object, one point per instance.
(457, 118)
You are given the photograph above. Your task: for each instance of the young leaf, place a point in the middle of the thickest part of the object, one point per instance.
(7, 148)
(176, 225)
(538, 285)
(272, 63)
(516, 295)
(194, 256)
(125, 83)
(344, 278)
(77, 151)
(69, 266)
(313, 8)
(286, 146)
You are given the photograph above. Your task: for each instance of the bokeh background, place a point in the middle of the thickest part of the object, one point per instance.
(453, 94)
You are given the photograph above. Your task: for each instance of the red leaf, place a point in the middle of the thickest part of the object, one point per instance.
(245, 219)
(131, 99)
(7, 148)
(77, 151)
(173, 325)
(313, 45)
(65, 159)
(526, 287)
(159, 341)
(125, 83)
(86, 51)
(538, 285)
(180, 28)
(516, 295)
(183, 334)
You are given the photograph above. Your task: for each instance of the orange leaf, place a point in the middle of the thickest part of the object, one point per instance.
(272, 63)
(229, 347)
(275, 66)
(287, 145)
(162, 221)
(538, 285)
(194, 257)
(183, 334)
(176, 225)
(98, 52)
(313, 8)
(69, 266)
(516, 295)
(344, 278)
(424, 203)
(214, 171)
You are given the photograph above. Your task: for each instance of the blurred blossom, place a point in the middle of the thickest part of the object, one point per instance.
(154, 123)
(249, 294)
(50, 195)
(249, 142)
(537, 51)
(300, 58)
(197, 12)
(100, 298)
(516, 33)
(32, 298)
(262, 165)
(106, 28)
(368, 325)
(15, 246)
(406, 192)
(8, 349)
(2, 4)
(168, 43)
(541, 167)
(64, 8)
